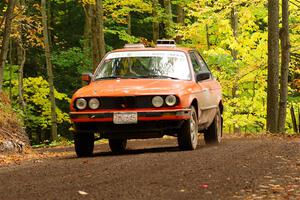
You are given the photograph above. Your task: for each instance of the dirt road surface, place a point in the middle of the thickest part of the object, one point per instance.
(239, 168)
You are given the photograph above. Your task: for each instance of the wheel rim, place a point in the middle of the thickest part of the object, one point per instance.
(193, 130)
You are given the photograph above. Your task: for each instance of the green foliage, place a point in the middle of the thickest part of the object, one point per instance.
(68, 67)
(243, 78)
(37, 116)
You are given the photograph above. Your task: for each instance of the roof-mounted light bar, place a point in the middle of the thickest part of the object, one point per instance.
(127, 46)
(165, 43)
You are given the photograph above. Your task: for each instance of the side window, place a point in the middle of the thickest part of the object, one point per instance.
(203, 65)
(195, 63)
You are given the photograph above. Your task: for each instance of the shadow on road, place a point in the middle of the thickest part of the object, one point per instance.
(106, 153)
(139, 151)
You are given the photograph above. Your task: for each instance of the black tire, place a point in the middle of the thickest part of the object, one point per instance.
(84, 144)
(213, 134)
(118, 145)
(188, 135)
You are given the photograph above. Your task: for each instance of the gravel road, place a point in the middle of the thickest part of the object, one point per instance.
(239, 168)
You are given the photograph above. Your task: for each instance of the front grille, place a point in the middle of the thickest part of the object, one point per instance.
(126, 102)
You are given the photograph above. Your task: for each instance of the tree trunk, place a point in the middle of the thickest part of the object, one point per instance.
(207, 36)
(5, 40)
(234, 27)
(155, 25)
(273, 56)
(98, 42)
(180, 14)
(298, 119)
(129, 23)
(95, 50)
(294, 121)
(21, 61)
(49, 71)
(169, 18)
(49, 22)
(207, 33)
(10, 68)
(285, 59)
(87, 30)
(100, 21)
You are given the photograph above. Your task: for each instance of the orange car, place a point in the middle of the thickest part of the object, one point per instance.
(139, 93)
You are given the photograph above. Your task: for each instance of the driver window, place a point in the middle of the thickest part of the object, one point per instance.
(195, 63)
(203, 65)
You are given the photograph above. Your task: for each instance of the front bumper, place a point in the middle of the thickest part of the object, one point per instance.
(145, 115)
(150, 124)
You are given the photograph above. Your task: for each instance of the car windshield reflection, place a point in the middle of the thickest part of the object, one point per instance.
(144, 64)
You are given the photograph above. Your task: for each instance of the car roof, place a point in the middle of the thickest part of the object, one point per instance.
(160, 48)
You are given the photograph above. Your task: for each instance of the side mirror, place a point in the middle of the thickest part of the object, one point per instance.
(87, 77)
(203, 76)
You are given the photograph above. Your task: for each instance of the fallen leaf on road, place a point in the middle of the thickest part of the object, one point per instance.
(82, 192)
(264, 186)
(204, 186)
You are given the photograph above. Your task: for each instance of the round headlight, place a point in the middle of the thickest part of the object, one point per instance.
(171, 100)
(81, 103)
(94, 103)
(157, 101)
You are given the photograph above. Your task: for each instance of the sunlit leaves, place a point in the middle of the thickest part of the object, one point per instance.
(36, 96)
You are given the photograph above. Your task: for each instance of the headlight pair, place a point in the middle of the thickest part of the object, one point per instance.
(158, 101)
(93, 103)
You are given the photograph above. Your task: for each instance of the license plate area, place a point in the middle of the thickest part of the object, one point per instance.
(125, 118)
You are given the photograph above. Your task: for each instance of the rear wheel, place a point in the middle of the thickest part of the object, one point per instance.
(188, 135)
(118, 145)
(84, 144)
(213, 134)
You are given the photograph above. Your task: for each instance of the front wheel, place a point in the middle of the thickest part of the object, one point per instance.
(84, 144)
(188, 135)
(118, 145)
(213, 134)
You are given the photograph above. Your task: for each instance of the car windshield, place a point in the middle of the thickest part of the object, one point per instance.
(144, 64)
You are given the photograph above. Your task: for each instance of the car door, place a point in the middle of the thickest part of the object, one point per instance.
(213, 85)
(207, 97)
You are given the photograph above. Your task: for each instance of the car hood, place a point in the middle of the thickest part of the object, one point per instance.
(134, 87)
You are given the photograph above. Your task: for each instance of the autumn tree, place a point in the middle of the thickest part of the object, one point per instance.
(285, 59)
(98, 42)
(49, 70)
(169, 18)
(273, 62)
(5, 40)
(155, 23)
(94, 29)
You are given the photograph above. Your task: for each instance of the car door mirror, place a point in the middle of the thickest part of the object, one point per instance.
(203, 76)
(87, 77)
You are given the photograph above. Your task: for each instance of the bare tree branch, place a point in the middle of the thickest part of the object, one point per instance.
(295, 4)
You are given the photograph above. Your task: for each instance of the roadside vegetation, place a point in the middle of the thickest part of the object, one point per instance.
(13, 137)
(232, 35)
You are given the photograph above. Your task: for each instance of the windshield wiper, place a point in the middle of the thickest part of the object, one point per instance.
(159, 76)
(116, 77)
(107, 77)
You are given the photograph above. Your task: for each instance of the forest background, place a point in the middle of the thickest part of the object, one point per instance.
(232, 36)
